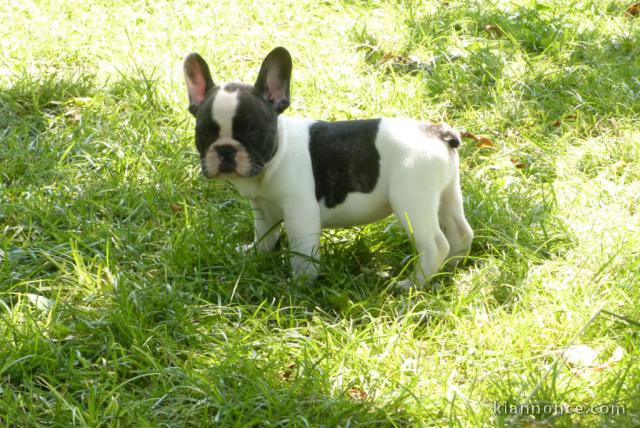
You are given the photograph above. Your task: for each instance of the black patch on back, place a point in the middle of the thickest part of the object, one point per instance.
(344, 158)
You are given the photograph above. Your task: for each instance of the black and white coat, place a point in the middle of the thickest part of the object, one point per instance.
(314, 174)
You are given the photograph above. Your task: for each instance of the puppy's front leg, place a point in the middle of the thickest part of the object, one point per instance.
(266, 227)
(265, 221)
(302, 223)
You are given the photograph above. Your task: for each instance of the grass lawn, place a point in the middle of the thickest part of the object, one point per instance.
(124, 303)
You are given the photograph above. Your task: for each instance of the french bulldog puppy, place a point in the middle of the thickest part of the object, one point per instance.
(314, 174)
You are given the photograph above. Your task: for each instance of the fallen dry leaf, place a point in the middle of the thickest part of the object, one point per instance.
(287, 374)
(386, 57)
(520, 164)
(73, 114)
(633, 10)
(357, 393)
(494, 30)
(467, 134)
(566, 119)
(177, 208)
(483, 142)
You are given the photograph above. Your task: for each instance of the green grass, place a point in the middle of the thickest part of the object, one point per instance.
(123, 302)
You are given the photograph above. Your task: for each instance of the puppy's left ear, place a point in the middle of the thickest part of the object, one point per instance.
(274, 79)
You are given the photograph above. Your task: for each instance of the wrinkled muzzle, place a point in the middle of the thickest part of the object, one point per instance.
(226, 158)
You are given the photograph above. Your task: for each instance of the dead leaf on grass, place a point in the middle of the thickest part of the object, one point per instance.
(287, 374)
(567, 118)
(493, 30)
(633, 10)
(357, 393)
(482, 142)
(177, 208)
(518, 163)
(73, 114)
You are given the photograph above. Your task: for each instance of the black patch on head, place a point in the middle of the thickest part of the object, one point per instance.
(255, 125)
(207, 130)
(344, 158)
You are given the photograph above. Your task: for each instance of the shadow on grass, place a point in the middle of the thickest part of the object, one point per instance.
(159, 355)
(516, 228)
(32, 101)
(76, 166)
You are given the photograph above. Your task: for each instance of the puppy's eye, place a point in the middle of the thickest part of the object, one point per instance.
(207, 128)
(254, 129)
(210, 132)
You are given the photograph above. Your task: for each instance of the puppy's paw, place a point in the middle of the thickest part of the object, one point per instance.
(245, 248)
(405, 284)
(304, 268)
(454, 260)
(417, 283)
(303, 280)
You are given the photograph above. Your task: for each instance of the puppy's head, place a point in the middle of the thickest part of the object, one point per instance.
(236, 124)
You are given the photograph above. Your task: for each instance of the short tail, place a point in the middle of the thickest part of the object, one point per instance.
(446, 133)
(451, 137)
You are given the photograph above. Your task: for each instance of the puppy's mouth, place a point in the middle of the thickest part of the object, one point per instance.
(228, 160)
(224, 170)
(227, 167)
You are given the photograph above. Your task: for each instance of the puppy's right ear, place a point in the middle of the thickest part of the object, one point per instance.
(198, 78)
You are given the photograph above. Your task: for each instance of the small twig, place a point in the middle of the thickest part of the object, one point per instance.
(620, 317)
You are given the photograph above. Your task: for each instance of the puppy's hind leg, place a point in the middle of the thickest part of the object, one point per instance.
(419, 217)
(453, 222)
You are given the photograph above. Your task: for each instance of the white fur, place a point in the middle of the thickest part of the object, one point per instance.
(418, 182)
(224, 108)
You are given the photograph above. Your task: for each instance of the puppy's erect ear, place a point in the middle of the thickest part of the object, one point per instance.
(274, 79)
(198, 78)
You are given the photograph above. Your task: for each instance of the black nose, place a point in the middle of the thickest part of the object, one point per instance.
(226, 152)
